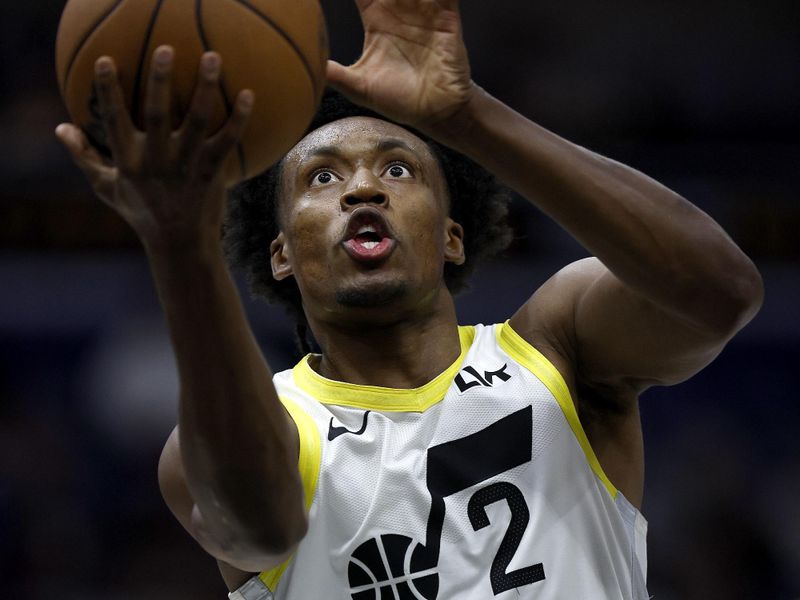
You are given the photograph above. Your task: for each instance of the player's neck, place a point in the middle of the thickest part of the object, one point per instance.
(404, 354)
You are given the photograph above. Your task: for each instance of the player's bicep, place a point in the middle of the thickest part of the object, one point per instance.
(610, 336)
(176, 494)
(623, 340)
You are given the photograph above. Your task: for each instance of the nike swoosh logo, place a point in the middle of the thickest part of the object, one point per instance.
(334, 432)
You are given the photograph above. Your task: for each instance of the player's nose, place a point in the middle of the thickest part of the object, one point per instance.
(364, 188)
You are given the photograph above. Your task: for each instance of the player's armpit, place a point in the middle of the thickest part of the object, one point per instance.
(240, 557)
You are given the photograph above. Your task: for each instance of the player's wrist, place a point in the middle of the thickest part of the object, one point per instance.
(456, 130)
(182, 247)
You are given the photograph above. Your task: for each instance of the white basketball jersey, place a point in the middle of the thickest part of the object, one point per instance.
(479, 485)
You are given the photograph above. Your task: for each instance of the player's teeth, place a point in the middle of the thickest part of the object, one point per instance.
(366, 229)
(369, 245)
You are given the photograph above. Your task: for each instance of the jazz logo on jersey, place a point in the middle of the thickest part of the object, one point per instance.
(468, 377)
(398, 567)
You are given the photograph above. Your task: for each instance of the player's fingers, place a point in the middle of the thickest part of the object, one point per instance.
(100, 174)
(157, 107)
(114, 115)
(220, 145)
(196, 124)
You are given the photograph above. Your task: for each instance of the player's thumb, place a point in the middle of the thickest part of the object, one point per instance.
(76, 144)
(87, 159)
(347, 81)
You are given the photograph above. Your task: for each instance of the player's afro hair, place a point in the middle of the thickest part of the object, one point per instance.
(477, 202)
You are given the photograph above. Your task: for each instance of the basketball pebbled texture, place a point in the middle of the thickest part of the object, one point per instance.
(277, 48)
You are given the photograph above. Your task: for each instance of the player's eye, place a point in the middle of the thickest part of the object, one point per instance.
(398, 171)
(323, 177)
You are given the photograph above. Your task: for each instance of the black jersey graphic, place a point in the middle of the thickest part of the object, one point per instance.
(397, 567)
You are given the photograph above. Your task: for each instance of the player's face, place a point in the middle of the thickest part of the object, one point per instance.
(364, 220)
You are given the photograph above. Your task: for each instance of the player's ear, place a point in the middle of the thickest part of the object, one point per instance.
(279, 258)
(454, 242)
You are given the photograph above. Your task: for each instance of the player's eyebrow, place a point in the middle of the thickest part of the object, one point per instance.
(388, 144)
(384, 145)
(332, 151)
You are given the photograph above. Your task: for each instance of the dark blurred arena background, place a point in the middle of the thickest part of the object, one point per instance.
(704, 96)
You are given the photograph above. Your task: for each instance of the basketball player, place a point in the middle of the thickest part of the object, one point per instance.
(413, 458)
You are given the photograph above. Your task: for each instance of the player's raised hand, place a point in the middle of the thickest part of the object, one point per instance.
(166, 184)
(414, 67)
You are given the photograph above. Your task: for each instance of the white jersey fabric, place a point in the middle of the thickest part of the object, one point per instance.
(479, 485)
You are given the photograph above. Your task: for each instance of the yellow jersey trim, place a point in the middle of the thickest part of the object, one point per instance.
(384, 399)
(533, 360)
(308, 463)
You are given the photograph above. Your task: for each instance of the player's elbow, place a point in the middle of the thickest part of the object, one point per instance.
(736, 299)
(282, 536)
(750, 296)
(250, 515)
(274, 527)
(251, 546)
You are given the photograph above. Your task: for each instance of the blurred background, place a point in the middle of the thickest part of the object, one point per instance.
(703, 96)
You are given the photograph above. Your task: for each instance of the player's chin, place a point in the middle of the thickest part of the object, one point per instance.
(376, 293)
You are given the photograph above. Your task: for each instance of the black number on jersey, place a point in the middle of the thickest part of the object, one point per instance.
(520, 515)
(407, 569)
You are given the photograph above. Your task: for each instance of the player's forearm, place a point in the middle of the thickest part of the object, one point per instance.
(650, 237)
(238, 449)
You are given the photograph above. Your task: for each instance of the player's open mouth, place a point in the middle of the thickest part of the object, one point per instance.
(368, 237)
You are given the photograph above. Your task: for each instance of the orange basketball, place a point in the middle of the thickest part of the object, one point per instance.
(277, 48)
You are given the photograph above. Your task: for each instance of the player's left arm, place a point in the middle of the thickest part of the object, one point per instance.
(669, 288)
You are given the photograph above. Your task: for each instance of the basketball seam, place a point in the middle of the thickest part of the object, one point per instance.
(83, 41)
(289, 40)
(198, 15)
(137, 82)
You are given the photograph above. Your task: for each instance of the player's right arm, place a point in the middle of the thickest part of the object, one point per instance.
(229, 473)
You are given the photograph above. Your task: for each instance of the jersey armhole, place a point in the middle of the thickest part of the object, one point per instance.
(533, 360)
(308, 463)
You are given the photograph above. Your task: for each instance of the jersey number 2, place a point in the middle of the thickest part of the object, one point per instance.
(501, 579)
(468, 461)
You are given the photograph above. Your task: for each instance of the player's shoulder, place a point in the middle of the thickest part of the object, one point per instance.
(546, 320)
(569, 282)
(551, 308)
